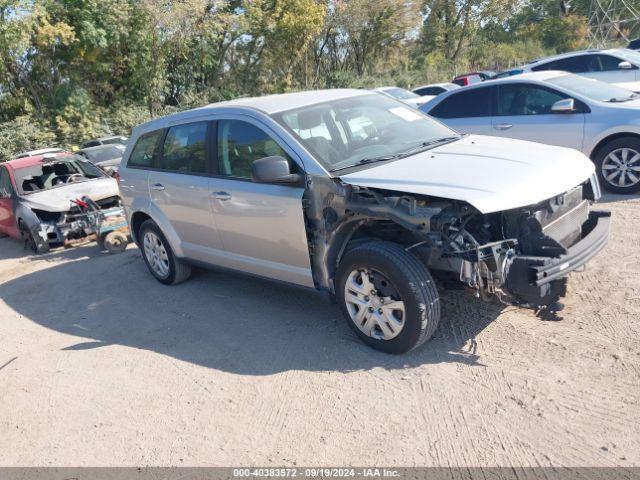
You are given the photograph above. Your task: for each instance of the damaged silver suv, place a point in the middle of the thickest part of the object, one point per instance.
(356, 194)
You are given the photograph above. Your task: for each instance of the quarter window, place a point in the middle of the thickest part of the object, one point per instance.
(240, 144)
(472, 103)
(184, 149)
(519, 99)
(143, 151)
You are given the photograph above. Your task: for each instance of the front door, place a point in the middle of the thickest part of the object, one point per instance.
(262, 226)
(523, 111)
(179, 188)
(7, 218)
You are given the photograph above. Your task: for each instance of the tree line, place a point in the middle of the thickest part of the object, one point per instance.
(75, 69)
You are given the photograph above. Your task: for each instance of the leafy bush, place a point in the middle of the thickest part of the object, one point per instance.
(23, 133)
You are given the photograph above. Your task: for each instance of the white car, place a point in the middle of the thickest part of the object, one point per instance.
(599, 119)
(616, 65)
(36, 153)
(361, 196)
(405, 96)
(435, 89)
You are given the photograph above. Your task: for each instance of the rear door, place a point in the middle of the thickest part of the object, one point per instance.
(466, 110)
(179, 188)
(262, 225)
(7, 198)
(134, 176)
(523, 111)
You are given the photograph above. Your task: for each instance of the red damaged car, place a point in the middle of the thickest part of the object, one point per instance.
(39, 198)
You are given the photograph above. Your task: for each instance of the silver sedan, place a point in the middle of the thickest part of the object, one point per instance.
(556, 108)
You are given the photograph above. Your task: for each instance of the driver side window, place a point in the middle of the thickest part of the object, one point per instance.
(519, 99)
(240, 144)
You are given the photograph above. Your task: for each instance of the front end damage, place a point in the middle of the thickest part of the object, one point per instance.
(522, 256)
(81, 223)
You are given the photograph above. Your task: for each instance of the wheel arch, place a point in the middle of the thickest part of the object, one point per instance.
(351, 234)
(137, 219)
(611, 138)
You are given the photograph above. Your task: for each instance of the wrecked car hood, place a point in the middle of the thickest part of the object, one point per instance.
(490, 173)
(58, 199)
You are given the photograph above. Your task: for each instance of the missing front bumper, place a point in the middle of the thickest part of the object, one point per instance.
(542, 280)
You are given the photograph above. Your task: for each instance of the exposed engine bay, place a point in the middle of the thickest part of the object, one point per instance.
(522, 255)
(81, 223)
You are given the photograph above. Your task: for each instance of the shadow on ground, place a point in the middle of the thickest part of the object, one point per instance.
(219, 320)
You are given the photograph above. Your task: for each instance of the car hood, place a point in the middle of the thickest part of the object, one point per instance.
(490, 173)
(633, 86)
(58, 199)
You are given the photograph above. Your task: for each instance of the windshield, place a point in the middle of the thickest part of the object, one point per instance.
(400, 93)
(357, 130)
(593, 89)
(54, 173)
(102, 154)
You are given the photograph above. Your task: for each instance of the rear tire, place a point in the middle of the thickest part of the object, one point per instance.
(618, 165)
(159, 257)
(401, 311)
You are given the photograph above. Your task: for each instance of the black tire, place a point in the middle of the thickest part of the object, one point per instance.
(601, 155)
(178, 270)
(413, 284)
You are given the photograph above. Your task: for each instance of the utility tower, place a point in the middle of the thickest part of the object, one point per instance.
(613, 22)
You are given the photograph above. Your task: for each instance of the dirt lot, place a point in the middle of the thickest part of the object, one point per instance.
(102, 365)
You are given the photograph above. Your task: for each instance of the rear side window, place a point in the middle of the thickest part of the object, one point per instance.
(578, 64)
(143, 152)
(464, 104)
(184, 149)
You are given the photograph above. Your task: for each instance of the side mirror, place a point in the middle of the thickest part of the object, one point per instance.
(273, 169)
(624, 65)
(568, 105)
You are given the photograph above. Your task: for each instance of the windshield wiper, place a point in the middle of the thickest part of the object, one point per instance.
(364, 161)
(413, 150)
(623, 99)
(425, 146)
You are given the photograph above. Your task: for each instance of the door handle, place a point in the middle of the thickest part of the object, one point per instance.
(157, 186)
(503, 126)
(221, 196)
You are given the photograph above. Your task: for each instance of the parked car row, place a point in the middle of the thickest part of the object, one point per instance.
(360, 194)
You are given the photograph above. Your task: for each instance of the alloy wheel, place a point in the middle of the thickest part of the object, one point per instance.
(621, 168)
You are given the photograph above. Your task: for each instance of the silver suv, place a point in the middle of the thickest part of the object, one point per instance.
(354, 193)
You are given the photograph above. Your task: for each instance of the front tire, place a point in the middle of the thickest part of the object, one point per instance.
(387, 296)
(618, 165)
(159, 257)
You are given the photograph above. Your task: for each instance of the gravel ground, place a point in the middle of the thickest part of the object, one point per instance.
(102, 365)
